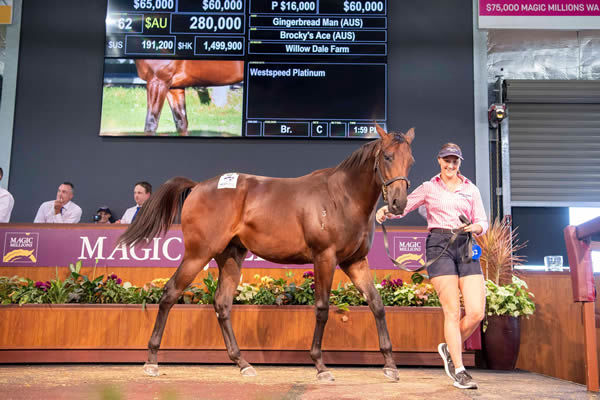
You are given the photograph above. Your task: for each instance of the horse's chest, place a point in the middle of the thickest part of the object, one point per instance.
(355, 242)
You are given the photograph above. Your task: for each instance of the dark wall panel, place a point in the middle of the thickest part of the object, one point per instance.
(59, 98)
(542, 228)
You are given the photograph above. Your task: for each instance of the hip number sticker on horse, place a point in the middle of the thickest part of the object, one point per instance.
(228, 181)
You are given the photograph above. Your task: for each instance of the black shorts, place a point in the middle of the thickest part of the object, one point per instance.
(449, 263)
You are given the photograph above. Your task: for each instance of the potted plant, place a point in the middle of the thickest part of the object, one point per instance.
(507, 296)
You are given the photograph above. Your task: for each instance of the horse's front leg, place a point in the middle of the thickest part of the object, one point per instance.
(360, 275)
(230, 263)
(324, 269)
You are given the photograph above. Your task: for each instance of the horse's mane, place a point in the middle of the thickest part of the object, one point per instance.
(361, 156)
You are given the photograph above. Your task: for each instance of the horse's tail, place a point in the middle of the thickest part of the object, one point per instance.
(158, 212)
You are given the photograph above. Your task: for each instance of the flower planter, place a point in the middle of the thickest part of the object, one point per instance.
(266, 334)
(501, 342)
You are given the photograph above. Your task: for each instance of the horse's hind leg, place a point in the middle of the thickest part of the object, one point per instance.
(230, 264)
(176, 99)
(324, 269)
(156, 91)
(184, 275)
(360, 275)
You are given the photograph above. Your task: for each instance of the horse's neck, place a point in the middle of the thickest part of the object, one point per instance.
(361, 185)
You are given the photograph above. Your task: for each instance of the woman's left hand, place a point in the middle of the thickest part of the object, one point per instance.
(473, 228)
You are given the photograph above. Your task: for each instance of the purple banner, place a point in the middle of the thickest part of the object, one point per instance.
(58, 245)
(539, 14)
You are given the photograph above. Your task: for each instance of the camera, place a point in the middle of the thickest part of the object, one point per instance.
(97, 218)
(496, 113)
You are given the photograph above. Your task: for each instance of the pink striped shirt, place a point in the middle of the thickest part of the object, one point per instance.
(444, 206)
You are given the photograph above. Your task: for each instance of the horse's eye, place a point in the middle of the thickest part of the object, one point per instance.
(387, 157)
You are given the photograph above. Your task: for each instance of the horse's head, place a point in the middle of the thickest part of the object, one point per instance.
(393, 162)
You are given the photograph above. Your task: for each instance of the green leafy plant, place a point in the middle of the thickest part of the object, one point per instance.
(506, 294)
(112, 291)
(85, 290)
(513, 299)
(143, 296)
(417, 278)
(246, 292)
(211, 288)
(59, 291)
(347, 295)
(7, 288)
(25, 291)
(305, 292)
(264, 297)
(387, 289)
(193, 294)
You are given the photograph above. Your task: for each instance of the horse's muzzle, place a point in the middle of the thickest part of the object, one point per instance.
(397, 206)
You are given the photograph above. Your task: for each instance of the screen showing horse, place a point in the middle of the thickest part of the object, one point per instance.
(254, 68)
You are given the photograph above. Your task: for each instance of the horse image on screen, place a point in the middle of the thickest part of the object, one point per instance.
(205, 97)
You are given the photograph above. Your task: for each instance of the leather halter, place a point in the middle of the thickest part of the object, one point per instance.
(384, 183)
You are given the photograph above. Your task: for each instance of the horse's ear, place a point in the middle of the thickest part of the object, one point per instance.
(383, 134)
(410, 135)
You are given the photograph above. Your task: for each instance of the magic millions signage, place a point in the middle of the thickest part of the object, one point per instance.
(59, 245)
(20, 247)
(160, 249)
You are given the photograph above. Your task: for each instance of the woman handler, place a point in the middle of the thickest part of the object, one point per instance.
(447, 196)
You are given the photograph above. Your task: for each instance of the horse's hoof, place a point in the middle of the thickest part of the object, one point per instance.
(248, 371)
(325, 376)
(151, 369)
(392, 374)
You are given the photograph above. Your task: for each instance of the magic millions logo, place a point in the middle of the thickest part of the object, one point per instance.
(20, 247)
(410, 251)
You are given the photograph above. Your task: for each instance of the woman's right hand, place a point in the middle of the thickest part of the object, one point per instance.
(382, 214)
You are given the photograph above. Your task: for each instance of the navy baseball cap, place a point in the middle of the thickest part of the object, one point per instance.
(450, 151)
(105, 209)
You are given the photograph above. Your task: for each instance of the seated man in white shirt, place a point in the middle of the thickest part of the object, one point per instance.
(62, 210)
(6, 202)
(141, 192)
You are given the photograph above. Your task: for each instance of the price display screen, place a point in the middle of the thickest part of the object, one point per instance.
(245, 68)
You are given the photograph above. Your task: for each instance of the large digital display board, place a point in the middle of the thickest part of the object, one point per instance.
(255, 68)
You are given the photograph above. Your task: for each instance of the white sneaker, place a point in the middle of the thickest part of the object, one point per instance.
(448, 364)
(464, 381)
